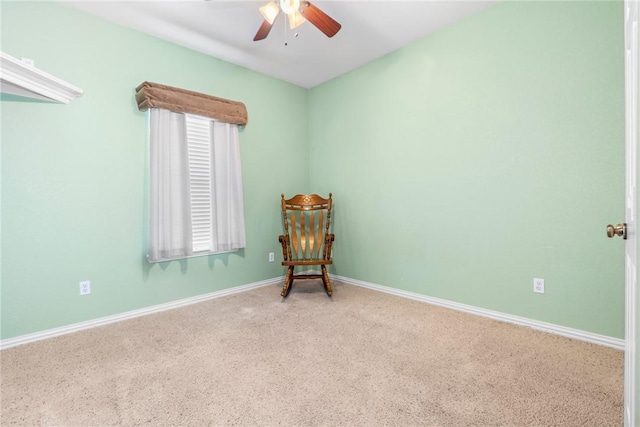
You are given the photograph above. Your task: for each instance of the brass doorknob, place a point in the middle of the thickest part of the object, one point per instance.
(618, 230)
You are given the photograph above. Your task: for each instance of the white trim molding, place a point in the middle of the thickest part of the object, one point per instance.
(64, 330)
(616, 343)
(522, 321)
(21, 78)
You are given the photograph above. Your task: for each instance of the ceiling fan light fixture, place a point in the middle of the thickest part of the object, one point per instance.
(295, 19)
(289, 6)
(270, 11)
(297, 12)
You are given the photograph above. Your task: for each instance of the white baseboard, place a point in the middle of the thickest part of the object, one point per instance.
(55, 332)
(616, 343)
(523, 321)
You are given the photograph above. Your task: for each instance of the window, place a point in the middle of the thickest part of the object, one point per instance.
(196, 186)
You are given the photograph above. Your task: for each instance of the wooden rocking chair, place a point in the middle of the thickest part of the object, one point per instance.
(309, 242)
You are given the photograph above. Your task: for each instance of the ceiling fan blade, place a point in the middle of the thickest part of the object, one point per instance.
(263, 31)
(319, 19)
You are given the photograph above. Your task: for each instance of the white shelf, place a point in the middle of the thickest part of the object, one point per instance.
(21, 79)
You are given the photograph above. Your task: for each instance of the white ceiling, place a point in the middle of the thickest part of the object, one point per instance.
(225, 29)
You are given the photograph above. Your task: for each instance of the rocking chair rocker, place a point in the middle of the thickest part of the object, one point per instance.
(309, 242)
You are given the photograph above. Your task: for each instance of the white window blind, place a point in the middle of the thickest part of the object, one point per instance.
(196, 187)
(200, 189)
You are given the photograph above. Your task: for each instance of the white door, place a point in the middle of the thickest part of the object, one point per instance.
(631, 416)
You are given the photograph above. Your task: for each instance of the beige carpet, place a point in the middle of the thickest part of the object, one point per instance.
(363, 359)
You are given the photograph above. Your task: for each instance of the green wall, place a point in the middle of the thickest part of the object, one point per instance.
(480, 157)
(462, 166)
(74, 189)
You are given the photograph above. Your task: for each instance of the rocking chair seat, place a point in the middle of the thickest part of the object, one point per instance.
(307, 240)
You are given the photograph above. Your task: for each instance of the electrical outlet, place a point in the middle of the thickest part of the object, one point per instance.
(538, 286)
(272, 257)
(85, 287)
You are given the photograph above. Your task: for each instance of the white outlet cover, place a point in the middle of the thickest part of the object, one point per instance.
(85, 287)
(538, 286)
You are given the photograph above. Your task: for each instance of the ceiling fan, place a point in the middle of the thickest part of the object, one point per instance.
(297, 12)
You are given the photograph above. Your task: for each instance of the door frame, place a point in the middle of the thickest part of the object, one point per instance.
(632, 136)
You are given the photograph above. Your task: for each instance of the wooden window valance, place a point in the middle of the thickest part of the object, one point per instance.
(150, 95)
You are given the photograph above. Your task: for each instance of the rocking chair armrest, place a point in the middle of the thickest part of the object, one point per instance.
(285, 244)
(328, 241)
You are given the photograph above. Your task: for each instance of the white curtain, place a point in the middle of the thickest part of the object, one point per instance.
(171, 231)
(228, 232)
(170, 224)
